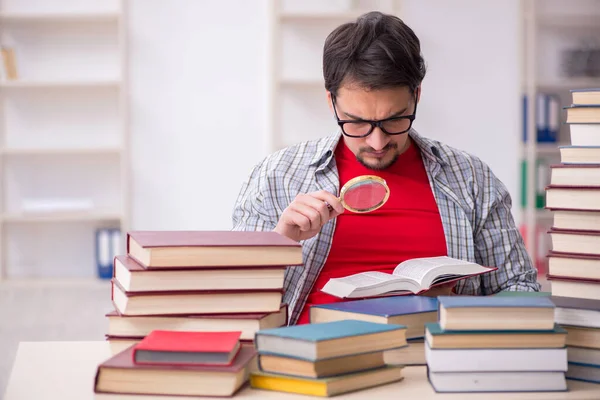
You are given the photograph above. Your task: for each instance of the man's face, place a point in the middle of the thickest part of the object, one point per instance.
(378, 150)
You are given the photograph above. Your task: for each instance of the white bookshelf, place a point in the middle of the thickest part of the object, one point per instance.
(297, 101)
(549, 28)
(64, 139)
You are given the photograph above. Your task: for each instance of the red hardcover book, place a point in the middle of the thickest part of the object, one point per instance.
(134, 277)
(164, 249)
(195, 302)
(119, 374)
(187, 348)
(248, 324)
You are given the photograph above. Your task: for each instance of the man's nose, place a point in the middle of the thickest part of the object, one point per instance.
(377, 139)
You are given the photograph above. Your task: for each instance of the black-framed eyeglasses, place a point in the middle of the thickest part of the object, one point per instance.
(359, 128)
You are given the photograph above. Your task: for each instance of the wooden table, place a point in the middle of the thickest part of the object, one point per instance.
(66, 370)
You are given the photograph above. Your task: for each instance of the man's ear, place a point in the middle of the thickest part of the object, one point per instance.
(329, 102)
(419, 92)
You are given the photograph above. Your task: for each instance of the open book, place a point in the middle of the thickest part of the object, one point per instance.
(409, 277)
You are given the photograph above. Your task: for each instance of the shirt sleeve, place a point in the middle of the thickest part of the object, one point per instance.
(249, 212)
(499, 243)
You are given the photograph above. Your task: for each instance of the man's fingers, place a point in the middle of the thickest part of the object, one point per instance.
(332, 200)
(320, 206)
(313, 216)
(293, 217)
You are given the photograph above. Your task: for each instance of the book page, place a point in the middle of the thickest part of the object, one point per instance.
(364, 279)
(417, 268)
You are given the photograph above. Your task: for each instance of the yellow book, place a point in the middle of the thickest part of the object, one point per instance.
(326, 387)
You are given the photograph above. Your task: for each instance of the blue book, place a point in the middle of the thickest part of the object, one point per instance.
(496, 313)
(330, 339)
(412, 311)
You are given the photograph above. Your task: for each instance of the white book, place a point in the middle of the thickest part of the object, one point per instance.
(580, 154)
(585, 134)
(496, 360)
(409, 277)
(498, 381)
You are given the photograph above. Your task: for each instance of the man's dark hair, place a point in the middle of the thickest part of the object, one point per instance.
(377, 51)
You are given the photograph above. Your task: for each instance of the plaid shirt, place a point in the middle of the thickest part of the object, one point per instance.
(474, 207)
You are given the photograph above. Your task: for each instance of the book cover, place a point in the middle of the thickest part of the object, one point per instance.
(386, 306)
(124, 360)
(189, 292)
(495, 301)
(326, 387)
(198, 342)
(149, 239)
(436, 330)
(245, 316)
(571, 279)
(581, 256)
(511, 293)
(329, 330)
(134, 266)
(194, 249)
(187, 348)
(576, 303)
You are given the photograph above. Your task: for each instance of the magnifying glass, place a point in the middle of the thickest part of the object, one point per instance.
(364, 194)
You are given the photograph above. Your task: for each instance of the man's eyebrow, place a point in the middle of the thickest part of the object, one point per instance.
(399, 113)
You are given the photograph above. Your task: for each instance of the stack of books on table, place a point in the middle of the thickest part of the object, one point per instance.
(574, 262)
(573, 197)
(581, 319)
(496, 344)
(199, 281)
(411, 311)
(178, 363)
(326, 359)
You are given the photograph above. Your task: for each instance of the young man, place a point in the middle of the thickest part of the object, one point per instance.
(442, 202)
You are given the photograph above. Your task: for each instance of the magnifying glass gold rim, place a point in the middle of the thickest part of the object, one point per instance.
(364, 178)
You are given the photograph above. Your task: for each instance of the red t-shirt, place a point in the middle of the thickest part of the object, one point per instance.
(407, 226)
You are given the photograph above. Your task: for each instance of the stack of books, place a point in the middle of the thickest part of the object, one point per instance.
(326, 359)
(573, 197)
(411, 311)
(496, 344)
(178, 363)
(581, 319)
(574, 262)
(199, 281)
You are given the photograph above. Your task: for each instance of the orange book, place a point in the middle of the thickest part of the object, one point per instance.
(187, 348)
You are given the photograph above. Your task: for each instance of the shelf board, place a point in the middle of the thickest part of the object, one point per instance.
(62, 217)
(319, 16)
(60, 17)
(59, 84)
(60, 151)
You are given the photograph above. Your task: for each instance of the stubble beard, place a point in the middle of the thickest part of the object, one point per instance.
(380, 164)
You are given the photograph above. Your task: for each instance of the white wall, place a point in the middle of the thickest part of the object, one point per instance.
(198, 108)
(199, 97)
(471, 94)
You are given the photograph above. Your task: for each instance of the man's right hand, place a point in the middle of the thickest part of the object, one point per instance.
(307, 214)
